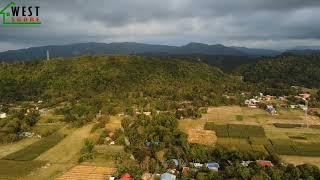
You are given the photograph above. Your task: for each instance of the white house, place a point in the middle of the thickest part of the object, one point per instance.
(3, 115)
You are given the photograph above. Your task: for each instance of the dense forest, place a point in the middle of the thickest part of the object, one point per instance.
(115, 80)
(283, 71)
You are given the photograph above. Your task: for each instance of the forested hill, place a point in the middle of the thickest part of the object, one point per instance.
(289, 70)
(113, 78)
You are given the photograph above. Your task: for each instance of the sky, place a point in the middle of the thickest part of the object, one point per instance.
(272, 24)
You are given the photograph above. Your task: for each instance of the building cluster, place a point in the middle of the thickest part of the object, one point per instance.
(266, 102)
(171, 174)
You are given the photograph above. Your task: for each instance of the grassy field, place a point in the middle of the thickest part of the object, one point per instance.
(18, 169)
(34, 150)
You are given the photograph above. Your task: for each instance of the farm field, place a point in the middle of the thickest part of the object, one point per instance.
(64, 155)
(298, 160)
(7, 149)
(252, 129)
(34, 150)
(82, 172)
(114, 123)
(16, 169)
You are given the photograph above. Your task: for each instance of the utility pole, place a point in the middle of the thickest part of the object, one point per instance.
(48, 55)
(306, 112)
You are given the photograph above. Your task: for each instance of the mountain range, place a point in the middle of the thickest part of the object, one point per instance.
(35, 53)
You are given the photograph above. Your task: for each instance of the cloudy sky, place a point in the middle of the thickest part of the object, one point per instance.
(252, 23)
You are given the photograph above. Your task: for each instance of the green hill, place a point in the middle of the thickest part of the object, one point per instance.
(284, 71)
(113, 79)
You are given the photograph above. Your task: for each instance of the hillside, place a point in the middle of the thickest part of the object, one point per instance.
(127, 48)
(113, 79)
(284, 70)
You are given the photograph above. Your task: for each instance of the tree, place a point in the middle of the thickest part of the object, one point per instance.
(292, 172)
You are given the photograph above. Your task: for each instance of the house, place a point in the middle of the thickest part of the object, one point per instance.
(147, 113)
(146, 176)
(303, 107)
(305, 95)
(264, 163)
(271, 109)
(185, 170)
(176, 162)
(246, 163)
(213, 166)
(252, 103)
(121, 114)
(196, 165)
(3, 115)
(269, 98)
(167, 176)
(126, 176)
(149, 143)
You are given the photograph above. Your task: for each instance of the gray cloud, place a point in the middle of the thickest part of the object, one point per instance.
(252, 23)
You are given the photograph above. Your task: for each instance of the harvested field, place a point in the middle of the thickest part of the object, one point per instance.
(82, 172)
(205, 137)
(298, 160)
(18, 169)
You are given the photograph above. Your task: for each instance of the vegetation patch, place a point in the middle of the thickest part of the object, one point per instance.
(315, 126)
(298, 137)
(15, 169)
(239, 117)
(46, 129)
(36, 149)
(285, 125)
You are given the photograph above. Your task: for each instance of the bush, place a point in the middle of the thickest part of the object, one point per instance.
(87, 151)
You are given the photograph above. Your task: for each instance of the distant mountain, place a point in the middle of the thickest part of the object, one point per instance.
(35, 53)
(257, 52)
(306, 48)
(303, 51)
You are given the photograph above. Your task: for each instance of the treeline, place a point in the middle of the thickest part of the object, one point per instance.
(278, 74)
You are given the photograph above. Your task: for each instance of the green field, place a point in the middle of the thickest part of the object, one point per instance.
(36, 149)
(235, 130)
(240, 144)
(18, 169)
(289, 147)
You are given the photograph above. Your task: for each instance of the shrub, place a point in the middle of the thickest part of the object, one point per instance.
(87, 151)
